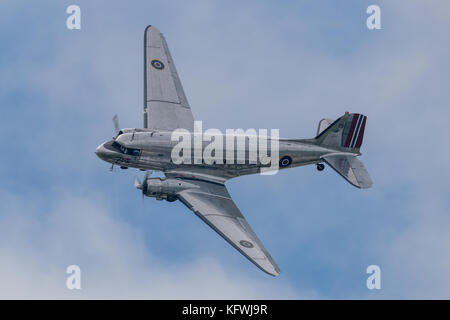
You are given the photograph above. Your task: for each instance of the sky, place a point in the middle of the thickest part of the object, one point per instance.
(252, 64)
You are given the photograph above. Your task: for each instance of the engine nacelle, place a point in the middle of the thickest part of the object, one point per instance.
(165, 189)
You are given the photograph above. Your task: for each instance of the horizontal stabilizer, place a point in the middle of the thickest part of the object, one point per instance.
(351, 168)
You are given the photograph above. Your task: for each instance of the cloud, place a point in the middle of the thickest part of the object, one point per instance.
(417, 259)
(287, 67)
(36, 248)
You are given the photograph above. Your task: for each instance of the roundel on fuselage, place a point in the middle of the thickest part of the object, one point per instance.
(285, 161)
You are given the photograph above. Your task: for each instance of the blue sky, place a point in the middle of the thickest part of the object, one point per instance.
(258, 64)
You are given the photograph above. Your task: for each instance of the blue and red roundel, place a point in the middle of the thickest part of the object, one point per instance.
(157, 64)
(285, 161)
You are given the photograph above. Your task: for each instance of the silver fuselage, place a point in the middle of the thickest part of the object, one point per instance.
(152, 150)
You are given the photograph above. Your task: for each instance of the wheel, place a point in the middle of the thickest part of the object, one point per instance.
(171, 199)
(320, 166)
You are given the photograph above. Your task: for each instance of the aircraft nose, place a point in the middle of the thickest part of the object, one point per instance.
(100, 151)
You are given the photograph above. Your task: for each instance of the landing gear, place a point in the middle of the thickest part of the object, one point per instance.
(171, 199)
(320, 166)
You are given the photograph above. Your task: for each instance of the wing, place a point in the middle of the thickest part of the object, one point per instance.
(212, 203)
(165, 104)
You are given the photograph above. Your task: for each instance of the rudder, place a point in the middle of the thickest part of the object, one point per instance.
(345, 132)
(354, 137)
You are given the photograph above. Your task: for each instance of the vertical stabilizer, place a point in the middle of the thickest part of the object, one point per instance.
(345, 132)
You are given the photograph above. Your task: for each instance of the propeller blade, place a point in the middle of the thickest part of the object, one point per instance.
(142, 186)
(116, 124)
(137, 183)
(144, 183)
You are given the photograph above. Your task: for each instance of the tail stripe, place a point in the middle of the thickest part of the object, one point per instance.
(347, 131)
(361, 134)
(352, 129)
(355, 134)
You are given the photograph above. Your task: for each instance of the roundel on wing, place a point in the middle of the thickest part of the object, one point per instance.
(285, 161)
(157, 64)
(246, 244)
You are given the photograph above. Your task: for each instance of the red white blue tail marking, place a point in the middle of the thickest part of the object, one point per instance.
(356, 133)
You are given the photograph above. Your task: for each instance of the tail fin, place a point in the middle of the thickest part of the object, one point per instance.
(345, 132)
(350, 168)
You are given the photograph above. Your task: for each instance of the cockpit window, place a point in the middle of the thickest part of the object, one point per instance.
(116, 145)
(125, 150)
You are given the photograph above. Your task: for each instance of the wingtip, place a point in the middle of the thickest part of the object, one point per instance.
(274, 273)
(366, 186)
(272, 270)
(152, 27)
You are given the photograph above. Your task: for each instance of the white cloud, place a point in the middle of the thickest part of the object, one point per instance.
(37, 246)
(399, 77)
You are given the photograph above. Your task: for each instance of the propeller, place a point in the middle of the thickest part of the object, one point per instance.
(116, 124)
(142, 186)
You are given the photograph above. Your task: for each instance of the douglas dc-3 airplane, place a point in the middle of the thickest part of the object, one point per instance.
(201, 186)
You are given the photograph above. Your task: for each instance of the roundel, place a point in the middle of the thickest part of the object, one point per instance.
(157, 64)
(285, 161)
(246, 244)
